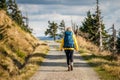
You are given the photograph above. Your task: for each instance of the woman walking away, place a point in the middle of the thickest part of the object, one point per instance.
(69, 44)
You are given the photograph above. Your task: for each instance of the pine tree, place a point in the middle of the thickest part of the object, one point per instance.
(87, 26)
(94, 27)
(62, 28)
(52, 30)
(3, 5)
(112, 40)
(14, 12)
(118, 43)
(16, 15)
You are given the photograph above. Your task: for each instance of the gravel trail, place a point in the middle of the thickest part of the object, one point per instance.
(54, 67)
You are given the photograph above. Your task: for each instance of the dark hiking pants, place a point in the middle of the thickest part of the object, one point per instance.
(69, 56)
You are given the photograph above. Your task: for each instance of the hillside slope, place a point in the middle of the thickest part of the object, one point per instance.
(15, 46)
(104, 62)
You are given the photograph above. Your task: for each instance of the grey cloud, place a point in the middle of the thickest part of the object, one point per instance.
(49, 9)
(118, 20)
(62, 2)
(110, 10)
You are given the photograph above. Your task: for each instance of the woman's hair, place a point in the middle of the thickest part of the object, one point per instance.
(69, 29)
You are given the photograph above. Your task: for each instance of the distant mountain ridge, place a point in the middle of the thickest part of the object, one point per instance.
(48, 38)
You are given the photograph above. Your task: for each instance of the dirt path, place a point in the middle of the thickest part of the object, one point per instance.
(54, 67)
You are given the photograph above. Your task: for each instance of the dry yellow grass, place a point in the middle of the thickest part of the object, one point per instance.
(33, 63)
(110, 65)
(16, 46)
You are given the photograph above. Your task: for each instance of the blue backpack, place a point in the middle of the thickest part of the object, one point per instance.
(68, 40)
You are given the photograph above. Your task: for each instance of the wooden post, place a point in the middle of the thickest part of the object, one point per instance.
(114, 39)
(101, 39)
(27, 20)
(100, 28)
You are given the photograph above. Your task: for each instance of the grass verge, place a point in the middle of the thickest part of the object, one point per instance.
(58, 41)
(105, 66)
(30, 65)
(33, 63)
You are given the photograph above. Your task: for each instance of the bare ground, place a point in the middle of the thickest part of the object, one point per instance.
(54, 67)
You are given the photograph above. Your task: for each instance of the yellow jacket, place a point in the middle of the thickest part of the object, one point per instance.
(75, 44)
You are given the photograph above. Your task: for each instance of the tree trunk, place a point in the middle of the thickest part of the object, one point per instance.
(54, 38)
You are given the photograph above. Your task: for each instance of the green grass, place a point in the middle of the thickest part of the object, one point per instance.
(103, 65)
(58, 41)
(105, 75)
(82, 51)
(20, 54)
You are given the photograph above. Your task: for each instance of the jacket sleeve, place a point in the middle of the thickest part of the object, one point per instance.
(62, 43)
(76, 44)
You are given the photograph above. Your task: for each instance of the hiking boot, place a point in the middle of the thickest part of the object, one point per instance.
(69, 67)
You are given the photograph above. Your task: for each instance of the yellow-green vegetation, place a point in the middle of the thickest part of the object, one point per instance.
(58, 41)
(20, 52)
(32, 63)
(107, 65)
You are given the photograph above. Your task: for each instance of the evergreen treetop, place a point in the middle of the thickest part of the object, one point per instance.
(62, 28)
(52, 29)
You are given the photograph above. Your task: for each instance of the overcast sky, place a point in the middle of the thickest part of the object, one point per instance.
(40, 11)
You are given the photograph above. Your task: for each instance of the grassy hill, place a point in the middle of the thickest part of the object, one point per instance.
(16, 47)
(105, 63)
